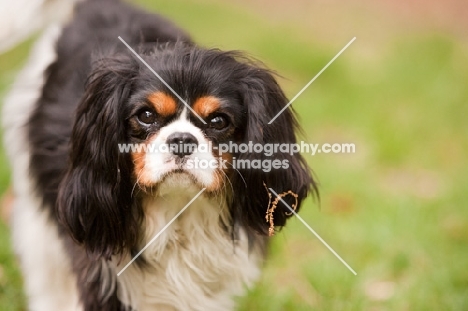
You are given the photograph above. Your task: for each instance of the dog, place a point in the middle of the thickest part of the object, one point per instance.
(94, 227)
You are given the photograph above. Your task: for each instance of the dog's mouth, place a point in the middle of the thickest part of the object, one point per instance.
(181, 173)
(180, 162)
(184, 176)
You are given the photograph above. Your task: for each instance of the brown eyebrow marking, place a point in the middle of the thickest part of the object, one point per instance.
(164, 104)
(206, 105)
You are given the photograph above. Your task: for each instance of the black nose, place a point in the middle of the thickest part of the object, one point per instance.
(182, 144)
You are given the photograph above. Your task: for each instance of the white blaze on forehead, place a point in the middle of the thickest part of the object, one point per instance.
(183, 125)
(184, 114)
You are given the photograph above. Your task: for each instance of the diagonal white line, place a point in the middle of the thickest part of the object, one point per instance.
(159, 77)
(160, 232)
(315, 233)
(313, 79)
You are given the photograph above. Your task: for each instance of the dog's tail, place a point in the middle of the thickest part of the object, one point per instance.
(19, 19)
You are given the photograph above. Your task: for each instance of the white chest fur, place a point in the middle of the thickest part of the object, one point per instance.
(194, 264)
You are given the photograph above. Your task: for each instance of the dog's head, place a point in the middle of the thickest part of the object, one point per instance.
(133, 133)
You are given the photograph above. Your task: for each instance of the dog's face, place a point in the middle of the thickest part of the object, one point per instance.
(225, 99)
(175, 144)
(178, 142)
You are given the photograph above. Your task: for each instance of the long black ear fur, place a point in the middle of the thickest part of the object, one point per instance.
(263, 99)
(94, 201)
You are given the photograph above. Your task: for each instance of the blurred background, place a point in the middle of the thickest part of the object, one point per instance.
(396, 210)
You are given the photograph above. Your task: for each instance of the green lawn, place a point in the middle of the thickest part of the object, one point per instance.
(396, 210)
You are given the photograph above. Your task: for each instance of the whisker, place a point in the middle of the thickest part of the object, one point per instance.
(238, 172)
(137, 182)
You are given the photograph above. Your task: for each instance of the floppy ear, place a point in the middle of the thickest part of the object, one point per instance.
(263, 99)
(94, 201)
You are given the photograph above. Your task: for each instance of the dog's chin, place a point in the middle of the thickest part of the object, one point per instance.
(180, 180)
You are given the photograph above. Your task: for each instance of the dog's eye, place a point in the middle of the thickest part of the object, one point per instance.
(146, 117)
(219, 122)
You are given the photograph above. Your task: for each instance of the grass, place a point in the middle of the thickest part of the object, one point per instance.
(395, 211)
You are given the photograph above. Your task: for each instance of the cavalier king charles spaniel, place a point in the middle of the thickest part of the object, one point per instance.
(83, 209)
